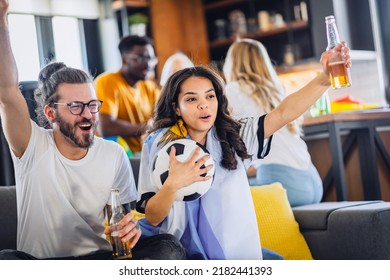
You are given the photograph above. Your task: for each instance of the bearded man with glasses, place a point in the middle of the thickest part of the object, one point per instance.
(64, 173)
(128, 95)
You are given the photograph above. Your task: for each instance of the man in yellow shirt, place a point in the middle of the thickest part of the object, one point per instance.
(128, 96)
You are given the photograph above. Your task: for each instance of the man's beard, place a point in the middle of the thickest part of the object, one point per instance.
(69, 131)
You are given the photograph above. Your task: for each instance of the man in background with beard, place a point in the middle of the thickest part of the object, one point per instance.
(64, 174)
(128, 95)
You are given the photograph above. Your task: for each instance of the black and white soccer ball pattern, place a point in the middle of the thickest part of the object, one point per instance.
(184, 150)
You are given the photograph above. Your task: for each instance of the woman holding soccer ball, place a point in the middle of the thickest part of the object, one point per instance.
(222, 223)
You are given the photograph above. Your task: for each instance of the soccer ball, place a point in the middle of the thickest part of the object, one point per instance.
(184, 150)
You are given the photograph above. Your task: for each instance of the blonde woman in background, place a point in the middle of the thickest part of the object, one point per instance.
(253, 88)
(174, 63)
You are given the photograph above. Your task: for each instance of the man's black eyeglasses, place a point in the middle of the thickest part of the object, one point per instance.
(77, 107)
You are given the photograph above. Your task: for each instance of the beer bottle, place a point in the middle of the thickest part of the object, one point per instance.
(338, 72)
(120, 250)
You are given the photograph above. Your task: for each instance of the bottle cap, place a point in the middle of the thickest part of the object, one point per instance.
(329, 18)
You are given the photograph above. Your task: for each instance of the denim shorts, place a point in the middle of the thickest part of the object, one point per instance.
(302, 186)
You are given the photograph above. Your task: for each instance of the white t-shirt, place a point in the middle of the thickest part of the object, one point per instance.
(61, 202)
(287, 148)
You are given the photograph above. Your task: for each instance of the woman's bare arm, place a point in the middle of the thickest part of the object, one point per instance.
(294, 105)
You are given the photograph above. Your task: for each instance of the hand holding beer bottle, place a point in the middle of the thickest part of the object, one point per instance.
(121, 229)
(338, 71)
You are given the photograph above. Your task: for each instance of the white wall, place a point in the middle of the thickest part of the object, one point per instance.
(88, 9)
(38, 7)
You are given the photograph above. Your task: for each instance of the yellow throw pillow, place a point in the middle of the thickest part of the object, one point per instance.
(277, 226)
(137, 214)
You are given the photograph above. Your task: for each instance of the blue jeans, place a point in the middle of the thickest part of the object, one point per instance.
(270, 255)
(302, 186)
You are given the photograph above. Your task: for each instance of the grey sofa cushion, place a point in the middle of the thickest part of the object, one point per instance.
(8, 217)
(135, 165)
(369, 231)
(359, 232)
(315, 216)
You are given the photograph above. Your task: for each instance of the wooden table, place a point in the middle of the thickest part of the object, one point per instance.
(361, 128)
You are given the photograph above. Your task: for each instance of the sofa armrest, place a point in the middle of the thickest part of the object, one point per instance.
(8, 217)
(346, 230)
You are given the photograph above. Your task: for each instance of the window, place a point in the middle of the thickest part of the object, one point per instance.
(69, 47)
(24, 44)
(37, 40)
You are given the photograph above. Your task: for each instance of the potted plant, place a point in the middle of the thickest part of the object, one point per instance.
(138, 23)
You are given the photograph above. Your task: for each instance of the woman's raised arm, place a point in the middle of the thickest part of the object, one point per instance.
(294, 105)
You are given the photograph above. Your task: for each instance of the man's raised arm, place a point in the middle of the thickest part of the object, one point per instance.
(15, 117)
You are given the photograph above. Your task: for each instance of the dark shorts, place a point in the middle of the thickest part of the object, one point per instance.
(157, 247)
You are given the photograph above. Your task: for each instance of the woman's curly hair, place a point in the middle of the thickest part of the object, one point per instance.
(227, 128)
